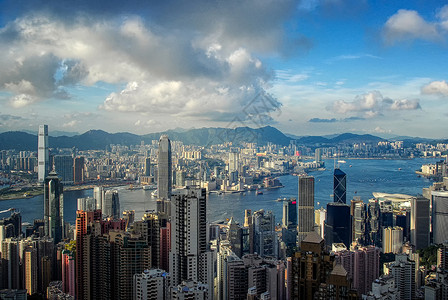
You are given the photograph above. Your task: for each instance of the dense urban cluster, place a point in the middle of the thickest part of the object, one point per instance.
(352, 249)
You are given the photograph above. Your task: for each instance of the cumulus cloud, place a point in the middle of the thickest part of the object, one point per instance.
(373, 104)
(410, 25)
(334, 120)
(191, 58)
(436, 87)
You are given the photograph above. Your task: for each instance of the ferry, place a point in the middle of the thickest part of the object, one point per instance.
(258, 193)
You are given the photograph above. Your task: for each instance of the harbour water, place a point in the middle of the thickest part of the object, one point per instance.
(364, 177)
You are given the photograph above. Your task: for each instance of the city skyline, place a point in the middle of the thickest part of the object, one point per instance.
(316, 67)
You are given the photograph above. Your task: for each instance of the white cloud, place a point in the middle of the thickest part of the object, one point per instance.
(164, 70)
(437, 88)
(70, 124)
(408, 25)
(443, 17)
(372, 104)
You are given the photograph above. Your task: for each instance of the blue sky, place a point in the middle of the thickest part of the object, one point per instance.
(306, 67)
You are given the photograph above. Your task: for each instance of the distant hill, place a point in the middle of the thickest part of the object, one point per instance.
(99, 139)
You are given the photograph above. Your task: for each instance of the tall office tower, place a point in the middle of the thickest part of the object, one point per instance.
(338, 224)
(147, 170)
(233, 160)
(188, 235)
(235, 237)
(98, 194)
(164, 168)
(362, 265)
(78, 170)
(289, 219)
(359, 215)
(111, 204)
(373, 227)
(129, 255)
(31, 269)
(305, 207)
(392, 239)
(43, 156)
(317, 155)
(151, 285)
(420, 222)
(63, 165)
(310, 267)
(265, 236)
(319, 219)
(54, 207)
(439, 216)
(340, 186)
(403, 270)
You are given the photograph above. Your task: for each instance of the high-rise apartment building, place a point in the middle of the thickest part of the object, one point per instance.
(164, 168)
(151, 285)
(30, 269)
(362, 265)
(54, 207)
(234, 158)
(43, 156)
(305, 206)
(403, 270)
(188, 235)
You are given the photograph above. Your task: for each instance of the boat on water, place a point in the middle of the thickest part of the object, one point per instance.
(258, 193)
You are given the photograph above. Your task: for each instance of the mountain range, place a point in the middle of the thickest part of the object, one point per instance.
(99, 139)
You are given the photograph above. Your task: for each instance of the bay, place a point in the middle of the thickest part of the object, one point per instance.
(364, 176)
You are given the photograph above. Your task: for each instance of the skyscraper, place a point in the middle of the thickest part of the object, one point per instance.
(340, 186)
(147, 171)
(111, 204)
(265, 236)
(54, 207)
(164, 168)
(337, 224)
(392, 239)
(78, 170)
(63, 165)
(305, 207)
(289, 219)
(420, 222)
(233, 161)
(439, 216)
(43, 154)
(188, 235)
